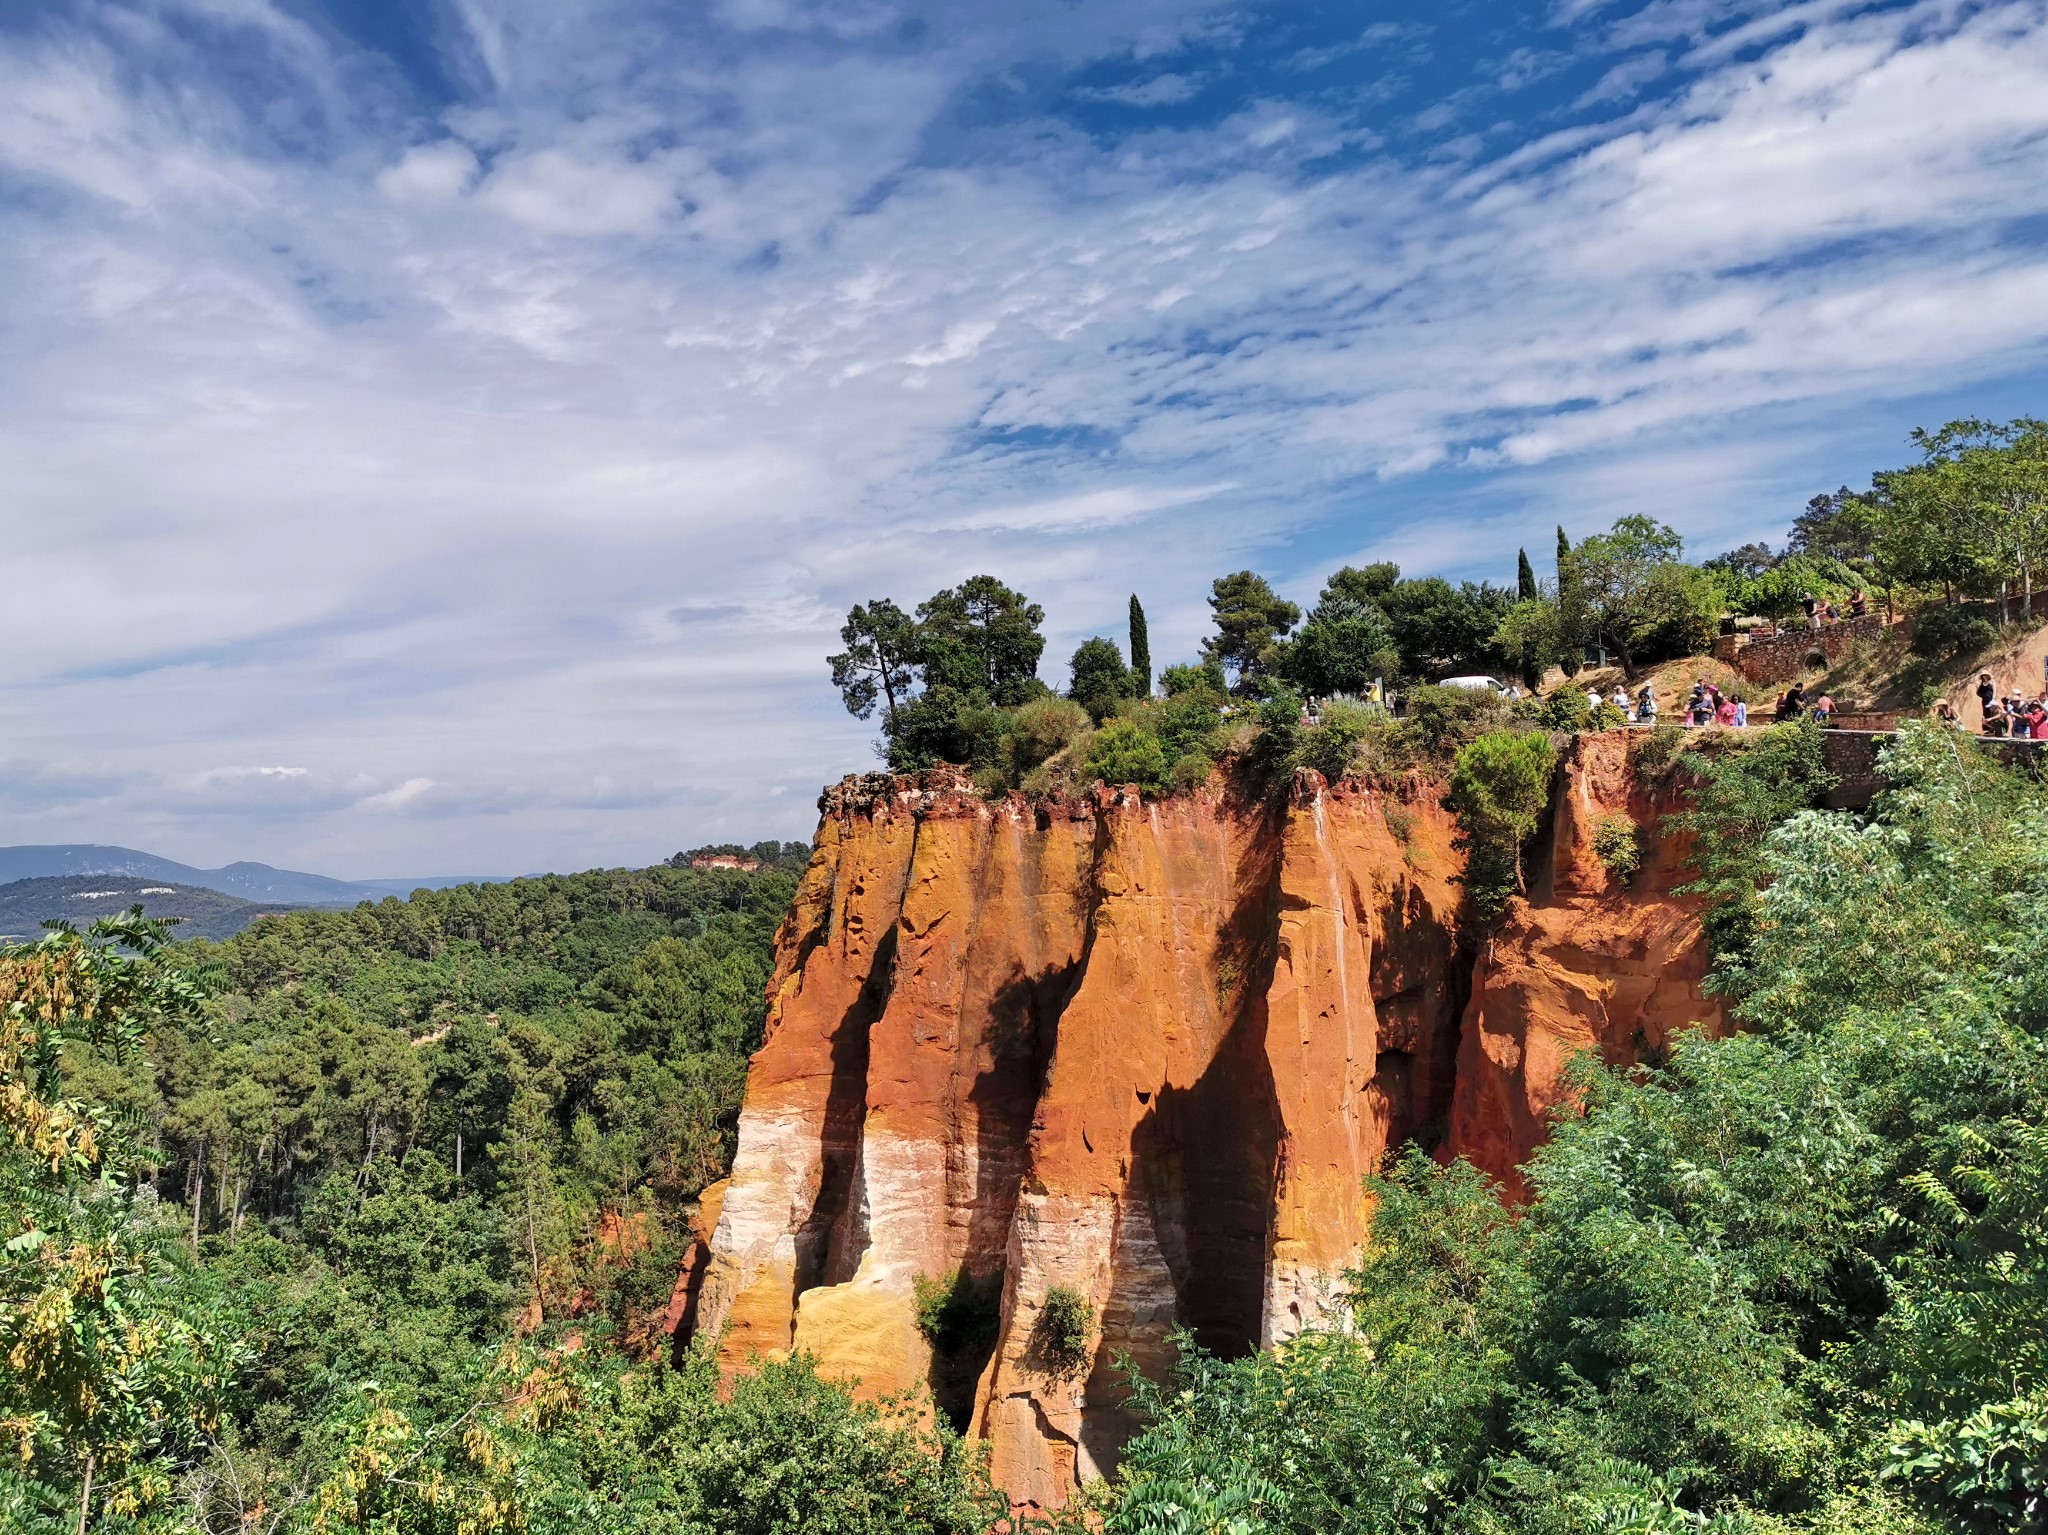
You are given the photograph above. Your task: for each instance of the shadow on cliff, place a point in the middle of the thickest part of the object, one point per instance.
(831, 1240)
(1207, 1155)
(1023, 1024)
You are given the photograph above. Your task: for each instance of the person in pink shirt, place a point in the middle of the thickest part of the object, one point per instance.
(1725, 715)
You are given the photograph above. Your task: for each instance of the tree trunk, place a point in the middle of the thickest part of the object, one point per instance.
(1628, 662)
(198, 1192)
(458, 1156)
(85, 1493)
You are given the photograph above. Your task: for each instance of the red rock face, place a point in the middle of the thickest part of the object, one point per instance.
(1146, 1052)
(1587, 963)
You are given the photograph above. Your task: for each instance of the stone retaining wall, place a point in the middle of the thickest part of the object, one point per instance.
(1782, 658)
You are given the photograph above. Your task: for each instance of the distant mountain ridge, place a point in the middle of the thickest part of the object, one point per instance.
(80, 898)
(257, 882)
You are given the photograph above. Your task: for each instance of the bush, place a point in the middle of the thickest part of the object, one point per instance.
(1278, 722)
(1186, 722)
(1124, 752)
(1328, 745)
(1441, 720)
(1189, 772)
(1065, 1320)
(1618, 844)
(1951, 633)
(1500, 786)
(1033, 735)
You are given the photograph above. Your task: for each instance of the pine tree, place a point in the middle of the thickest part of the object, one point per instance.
(1141, 652)
(1525, 576)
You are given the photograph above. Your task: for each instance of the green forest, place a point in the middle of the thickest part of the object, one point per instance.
(322, 1228)
(366, 1221)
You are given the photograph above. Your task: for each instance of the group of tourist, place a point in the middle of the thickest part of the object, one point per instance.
(2013, 715)
(1708, 705)
(1819, 613)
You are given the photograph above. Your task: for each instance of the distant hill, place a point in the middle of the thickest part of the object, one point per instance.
(25, 904)
(257, 882)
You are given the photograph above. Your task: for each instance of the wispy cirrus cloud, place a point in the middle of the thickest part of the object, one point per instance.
(495, 419)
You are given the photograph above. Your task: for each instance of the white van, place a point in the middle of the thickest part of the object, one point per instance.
(1478, 684)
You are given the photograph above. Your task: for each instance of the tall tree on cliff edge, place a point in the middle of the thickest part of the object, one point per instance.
(1571, 608)
(981, 636)
(881, 649)
(1250, 620)
(1525, 576)
(1100, 678)
(1141, 652)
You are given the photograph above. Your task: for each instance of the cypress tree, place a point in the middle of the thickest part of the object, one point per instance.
(1570, 607)
(1525, 576)
(1141, 652)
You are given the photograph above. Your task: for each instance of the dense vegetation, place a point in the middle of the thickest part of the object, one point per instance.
(362, 1220)
(1796, 1279)
(1958, 535)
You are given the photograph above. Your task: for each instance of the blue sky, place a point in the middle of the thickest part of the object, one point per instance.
(446, 435)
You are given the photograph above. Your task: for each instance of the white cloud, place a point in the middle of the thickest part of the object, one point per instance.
(1093, 509)
(561, 194)
(405, 794)
(1159, 91)
(430, 173)
(513, 469)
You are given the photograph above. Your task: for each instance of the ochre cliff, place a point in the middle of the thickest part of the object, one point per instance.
(1589, 962)
(1147, 1052)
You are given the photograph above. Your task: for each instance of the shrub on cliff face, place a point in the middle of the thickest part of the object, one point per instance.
(1500, 786)
(1065, 1323)
(1618, 844)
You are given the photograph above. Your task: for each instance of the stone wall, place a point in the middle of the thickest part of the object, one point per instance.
(1851, 755)
(1777, 661)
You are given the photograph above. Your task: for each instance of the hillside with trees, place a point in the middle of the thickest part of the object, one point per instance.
(80, 899)
(367, 1220)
